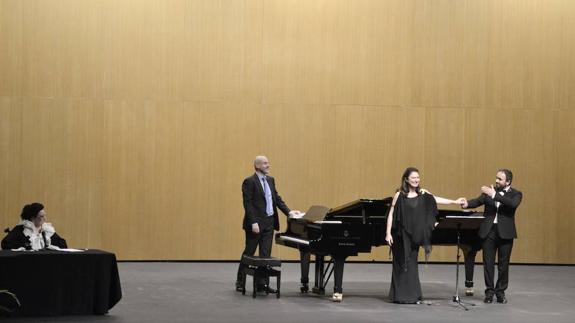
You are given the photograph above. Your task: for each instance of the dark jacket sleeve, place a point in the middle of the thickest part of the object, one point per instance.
(58, 241)
(512, 202)
(479, 201)
(248, 195)
(280, 202)
(15, 239)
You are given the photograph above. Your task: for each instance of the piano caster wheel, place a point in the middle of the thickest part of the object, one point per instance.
(304, 289)
(318, 291)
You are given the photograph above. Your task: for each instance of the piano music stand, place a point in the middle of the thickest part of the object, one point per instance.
(458, 223)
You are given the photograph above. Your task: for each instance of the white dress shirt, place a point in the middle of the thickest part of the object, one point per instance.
(505, 190)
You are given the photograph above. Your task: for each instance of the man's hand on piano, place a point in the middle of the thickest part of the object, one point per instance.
(295, 214)
(255, 228)
(389, 239)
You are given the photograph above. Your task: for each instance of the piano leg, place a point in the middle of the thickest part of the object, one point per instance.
(320, 271)
(469, 254)
(305, 258)
(319, 275)
(339, 262)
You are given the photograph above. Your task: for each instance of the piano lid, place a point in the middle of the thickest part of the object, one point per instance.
(358, 204)
(316, 213)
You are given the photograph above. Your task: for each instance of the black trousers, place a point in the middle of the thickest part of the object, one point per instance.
(262, 241)
(492, 244)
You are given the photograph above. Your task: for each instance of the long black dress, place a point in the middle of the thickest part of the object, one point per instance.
(414, 219)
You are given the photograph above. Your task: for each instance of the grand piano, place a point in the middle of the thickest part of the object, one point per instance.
(355, 228)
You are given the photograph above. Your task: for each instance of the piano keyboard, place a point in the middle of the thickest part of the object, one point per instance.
(292, 239)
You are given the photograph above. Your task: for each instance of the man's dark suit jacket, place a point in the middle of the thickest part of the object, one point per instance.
(255, 202)
(505, 216)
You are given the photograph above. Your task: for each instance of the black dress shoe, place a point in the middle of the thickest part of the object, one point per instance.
(488, 299)
(304, 288)
(240, 286)
(501, 299)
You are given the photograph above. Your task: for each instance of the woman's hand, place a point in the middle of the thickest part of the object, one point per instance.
(389, 239)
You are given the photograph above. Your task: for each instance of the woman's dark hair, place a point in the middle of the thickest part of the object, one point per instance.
(30, 211)
(404, 188)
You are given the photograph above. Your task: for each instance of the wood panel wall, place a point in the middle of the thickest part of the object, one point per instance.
(135, 122)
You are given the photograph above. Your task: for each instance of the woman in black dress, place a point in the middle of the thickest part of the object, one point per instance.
(33, 232)
(409, 225)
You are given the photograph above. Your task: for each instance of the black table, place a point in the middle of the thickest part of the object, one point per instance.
(49, 283)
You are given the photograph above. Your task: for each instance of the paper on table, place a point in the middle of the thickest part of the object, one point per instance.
(65, 249)
(52, 248)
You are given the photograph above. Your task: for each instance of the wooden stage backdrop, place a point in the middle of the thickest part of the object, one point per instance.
(135, 122)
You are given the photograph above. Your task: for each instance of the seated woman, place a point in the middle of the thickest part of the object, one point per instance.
(33, 232)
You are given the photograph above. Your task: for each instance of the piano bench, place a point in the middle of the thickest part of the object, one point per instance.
(261, 268)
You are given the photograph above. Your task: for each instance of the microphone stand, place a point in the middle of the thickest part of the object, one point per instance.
(456, 297)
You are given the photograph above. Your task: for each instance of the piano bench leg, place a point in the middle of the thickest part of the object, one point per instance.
(255, 283)
(278, 283)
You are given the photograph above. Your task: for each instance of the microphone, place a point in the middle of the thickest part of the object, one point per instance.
(45, 240)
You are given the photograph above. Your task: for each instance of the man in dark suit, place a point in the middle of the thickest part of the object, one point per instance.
(497, 231)
(261, 201)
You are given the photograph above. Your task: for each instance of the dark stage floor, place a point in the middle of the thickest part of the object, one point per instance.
(204, 292)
